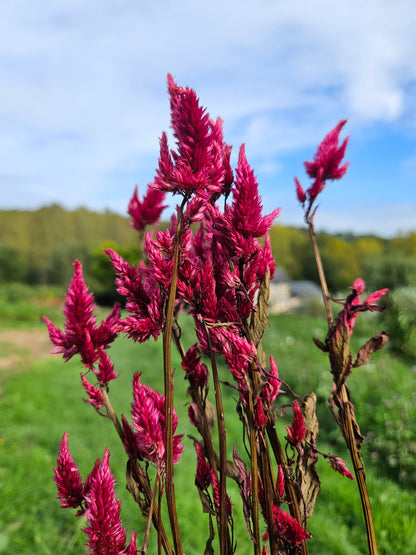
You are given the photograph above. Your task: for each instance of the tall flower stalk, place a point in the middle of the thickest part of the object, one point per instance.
(326, 166)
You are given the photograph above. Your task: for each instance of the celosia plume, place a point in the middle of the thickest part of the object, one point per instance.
(203, 471)
(201, 163)
(325, 165)
(339, 465)
(81, 334)
(67, 478)
(148, 211)
(196, 371)
(148, 414)
(104, 529)
(216, 494)
(296, 432)
(95, 395)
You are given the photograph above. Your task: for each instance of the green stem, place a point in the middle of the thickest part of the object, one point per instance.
(149, 518)
(167, 365)
(224, 535)
(345, 419)
(290, 491)
(139, 475)
(321, 273)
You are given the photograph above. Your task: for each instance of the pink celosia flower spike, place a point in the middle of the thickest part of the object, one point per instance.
(245, 213)
(147, 211)
(95, 396)
(300, 193)
(339, 465)
(132, 549)
(296, 432)
(203, 471)
(329, 156)
(148, 414)
(104, 528)
(196, 371)
(81, 334)
(325, 165)
(67, 478)
(289, 528)
(216, 491)
(200, 163)
(271, 388)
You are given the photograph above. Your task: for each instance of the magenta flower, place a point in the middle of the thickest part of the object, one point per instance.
(105, 372)
(132, 549)
(147, 211)
(285, 526)
(104, 528)
(325, 165)
(148, 414)
(296, 431)
(353, 304)
(95, 396)
(300, 193)
(130, 440)
(339, 465)
(242, 221)
(329, 156)
(216, 491)
(238, 353)
(280, 482)
(196, 371)
(289, 528)
(81, 333)
(203, 471)
(67, 478)
(143, 299)
(260, 418)
(201, 163)
(271, 388)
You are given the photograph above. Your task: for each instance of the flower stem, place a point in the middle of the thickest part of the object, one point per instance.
(224, 535)
(138, 475)
(149, 518)
(291, 496)
(167, 365)
(359, 470)
(345, 416)
(321, 272)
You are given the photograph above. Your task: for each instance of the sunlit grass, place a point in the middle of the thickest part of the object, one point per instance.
(39, 403)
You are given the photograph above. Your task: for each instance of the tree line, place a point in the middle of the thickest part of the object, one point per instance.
(39, 247)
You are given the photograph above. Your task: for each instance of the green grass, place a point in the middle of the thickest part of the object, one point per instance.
(39, 403)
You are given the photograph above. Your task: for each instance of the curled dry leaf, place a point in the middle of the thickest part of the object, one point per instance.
(260, 318)
(371, 346)
(310, 484)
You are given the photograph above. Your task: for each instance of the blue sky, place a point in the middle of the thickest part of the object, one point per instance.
(83, 98)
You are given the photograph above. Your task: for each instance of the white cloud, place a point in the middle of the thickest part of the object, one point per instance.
(83, 93)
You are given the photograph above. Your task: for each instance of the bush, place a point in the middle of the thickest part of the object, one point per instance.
(390, 270)
(400, 321)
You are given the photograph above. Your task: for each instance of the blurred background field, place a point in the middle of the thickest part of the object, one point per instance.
(41, 398)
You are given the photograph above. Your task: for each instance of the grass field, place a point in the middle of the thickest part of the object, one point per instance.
(41, 398)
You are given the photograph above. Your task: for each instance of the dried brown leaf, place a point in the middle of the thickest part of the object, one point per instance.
(340, 355)
(310, 483)
(260, 318)
(371, 346)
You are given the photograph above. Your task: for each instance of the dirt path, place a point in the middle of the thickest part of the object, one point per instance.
(25, 345)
